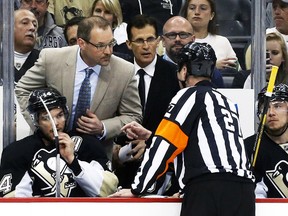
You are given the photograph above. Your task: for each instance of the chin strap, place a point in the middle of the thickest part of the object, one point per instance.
(276, 135)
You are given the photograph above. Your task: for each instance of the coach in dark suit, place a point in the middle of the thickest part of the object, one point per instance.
(114, 94)
(164, 85)
(161, 85)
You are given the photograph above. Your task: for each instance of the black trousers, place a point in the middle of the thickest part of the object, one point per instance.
(224, 195)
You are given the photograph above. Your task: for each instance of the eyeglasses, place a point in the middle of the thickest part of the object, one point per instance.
(37, 2)
(173, 35)
(141, 41)
(102, 47)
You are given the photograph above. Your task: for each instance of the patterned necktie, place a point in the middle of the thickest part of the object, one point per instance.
(141, 87)
(84, 97)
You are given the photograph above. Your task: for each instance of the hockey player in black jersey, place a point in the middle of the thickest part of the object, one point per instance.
(28, 166)
(271, 166)
(201, 134)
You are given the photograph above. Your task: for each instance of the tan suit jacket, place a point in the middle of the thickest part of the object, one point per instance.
(116, 100)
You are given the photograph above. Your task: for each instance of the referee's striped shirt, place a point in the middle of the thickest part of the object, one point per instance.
(201, 134)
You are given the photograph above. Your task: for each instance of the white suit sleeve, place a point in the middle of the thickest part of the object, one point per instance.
(96, 181)
(24, 188)
(261, 190)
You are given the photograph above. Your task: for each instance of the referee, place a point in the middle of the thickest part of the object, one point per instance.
(201, 134)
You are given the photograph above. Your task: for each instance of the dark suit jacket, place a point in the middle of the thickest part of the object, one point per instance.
(163, 87)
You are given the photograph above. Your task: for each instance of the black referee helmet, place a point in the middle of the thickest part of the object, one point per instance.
(199, 58)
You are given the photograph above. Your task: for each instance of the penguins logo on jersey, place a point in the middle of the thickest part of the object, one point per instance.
(43, 171)
(279, 177)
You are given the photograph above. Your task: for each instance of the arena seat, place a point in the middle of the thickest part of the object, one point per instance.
(234, 22)
(228, 76)
(233, 17)
(231, 28)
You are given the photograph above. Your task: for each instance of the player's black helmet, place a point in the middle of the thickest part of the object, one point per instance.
(280, 93)
(199, 58)
(51, 97)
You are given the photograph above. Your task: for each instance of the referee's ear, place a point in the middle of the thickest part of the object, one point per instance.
(182, 73)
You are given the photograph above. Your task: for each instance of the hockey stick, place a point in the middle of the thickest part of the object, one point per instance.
(57, 178)
(260, 130)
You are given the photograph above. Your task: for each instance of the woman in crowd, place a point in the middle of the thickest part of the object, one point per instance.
(278, 56)
(202, 16)
(111, 11)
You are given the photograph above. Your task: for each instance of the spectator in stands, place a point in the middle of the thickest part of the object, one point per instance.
(278, 56)
(111, 10)
(161, 85)
(25, 56)
(202, 16)
(70, 30)
(28, 166)
(280, 17)
(64, 10)
(177, 32)
(25, 33)
(271, 163)
(49, 34)
(161, 10)
(114, 98)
